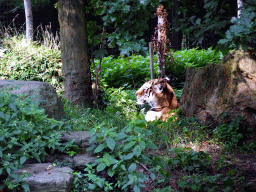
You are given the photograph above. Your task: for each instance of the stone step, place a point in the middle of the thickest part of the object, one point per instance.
(47, 178)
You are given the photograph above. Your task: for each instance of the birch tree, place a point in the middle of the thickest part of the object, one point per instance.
(239, 6)
(29, 19)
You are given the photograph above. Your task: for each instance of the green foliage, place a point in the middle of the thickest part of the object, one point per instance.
(31, 62)
(129, 18)
(193, 58)
(198, 182)
(189, 160)
(195, 23)
(228, 133)
(242, 30)
(129, 72)
(177, 131)
(133, 71)
(165, 189)
(89, 181)
(121, 102)
(25, 132)
(120, 152)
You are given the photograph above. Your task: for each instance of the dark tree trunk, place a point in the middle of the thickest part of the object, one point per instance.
(175, 37)
(74, 54)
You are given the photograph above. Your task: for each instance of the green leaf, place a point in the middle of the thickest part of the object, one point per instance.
(111, 143)
(8, 170)
(100, 53)
(132, 167)
(198, 21)
(128, 156)
(23, 159)
(101, 167)
(25, 186)
(129, 145)
(194, 157)
(128, 183)
(137, 150)
(194, 187)
(1, 153)
(111, 172)
(152, 176)
(228, 181)
(100, 148)
(93, 138)
(121, 135)
(151, 145)
(92, 186)
(123, 167)
(142, 144)
(231, 172)
(13, 107)
(136, 188)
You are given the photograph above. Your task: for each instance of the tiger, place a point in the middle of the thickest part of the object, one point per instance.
(160, 96)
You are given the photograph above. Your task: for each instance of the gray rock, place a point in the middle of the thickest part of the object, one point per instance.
(38, 91)
(82, 138)
(79, 161)
(228, 88)
(54, 179)
(48, 179)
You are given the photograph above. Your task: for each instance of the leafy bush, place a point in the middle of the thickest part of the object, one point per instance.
(190, 161)
(25, 132)
(242, 30)
(121, 102)
(228, 133)
(192, 58)
(128, 72)
(198, 182)
(120, 152)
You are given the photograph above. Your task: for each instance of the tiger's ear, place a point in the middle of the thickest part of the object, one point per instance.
(166, 79)
(162, 84)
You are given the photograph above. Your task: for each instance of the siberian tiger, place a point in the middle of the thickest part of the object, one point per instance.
(160, 96)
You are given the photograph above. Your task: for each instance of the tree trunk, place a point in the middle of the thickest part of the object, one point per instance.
(162, 43)
(29, 19)
(175, 37)
(74, 54)
(239, 6)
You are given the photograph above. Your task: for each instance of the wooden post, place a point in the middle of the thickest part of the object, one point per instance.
(151, 55)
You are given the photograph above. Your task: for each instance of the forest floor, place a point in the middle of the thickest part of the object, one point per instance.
(241, 167)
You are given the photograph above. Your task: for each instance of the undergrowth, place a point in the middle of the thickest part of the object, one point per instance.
(125, 143)
(25, 132)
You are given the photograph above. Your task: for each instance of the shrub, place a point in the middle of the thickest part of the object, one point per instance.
(119, 154)
(128, 72)
(228, 133)
(25, 132)
(192, 58)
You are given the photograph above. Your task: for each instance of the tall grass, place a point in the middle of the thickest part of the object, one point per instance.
(32, 61)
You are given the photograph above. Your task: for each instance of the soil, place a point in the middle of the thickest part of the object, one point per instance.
(241, 167)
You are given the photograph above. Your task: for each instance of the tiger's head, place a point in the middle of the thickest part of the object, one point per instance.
(160, 96)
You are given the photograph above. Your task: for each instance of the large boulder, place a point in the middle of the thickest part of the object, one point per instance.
(228, 88)
(38, 91)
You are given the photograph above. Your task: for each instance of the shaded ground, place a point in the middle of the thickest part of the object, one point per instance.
(240, 167)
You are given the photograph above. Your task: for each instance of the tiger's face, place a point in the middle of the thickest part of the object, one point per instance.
(151, 92)
(160, 96)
